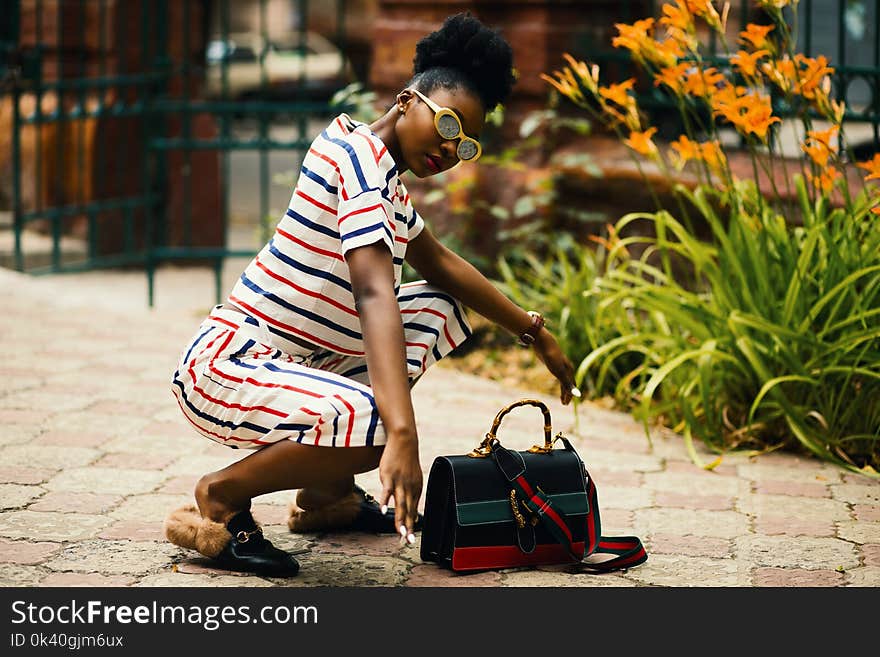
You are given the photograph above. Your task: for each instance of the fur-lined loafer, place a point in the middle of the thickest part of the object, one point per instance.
(239, 545)
(357, 512)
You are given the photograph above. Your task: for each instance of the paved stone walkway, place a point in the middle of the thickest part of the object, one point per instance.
(93, 454)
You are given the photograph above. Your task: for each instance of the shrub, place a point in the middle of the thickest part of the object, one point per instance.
(773, 339)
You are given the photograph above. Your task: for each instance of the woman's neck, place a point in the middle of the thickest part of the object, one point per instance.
(383, 127)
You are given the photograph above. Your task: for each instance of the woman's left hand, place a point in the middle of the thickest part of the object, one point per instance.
(550, 353)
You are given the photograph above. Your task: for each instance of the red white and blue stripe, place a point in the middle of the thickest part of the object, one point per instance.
(237, 388)
(348, 194)
(244, 381)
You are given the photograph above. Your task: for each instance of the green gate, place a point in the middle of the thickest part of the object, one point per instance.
(126, 121)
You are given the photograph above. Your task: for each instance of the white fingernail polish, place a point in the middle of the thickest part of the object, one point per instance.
(575, 392)
(411, 538)
(384, 509)
(403, 531)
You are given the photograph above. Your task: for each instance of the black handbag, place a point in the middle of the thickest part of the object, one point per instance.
(498, 508)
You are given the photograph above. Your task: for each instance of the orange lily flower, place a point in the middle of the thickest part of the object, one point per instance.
(748, 112)
(872, 166)
(818, 153)
(673, 77)
(713, 155)
(812, 72)
(633, 37)
(756, 35)
(706, 10)
(825, 137)
(782, 73)
(759, 117)
(641, 142)
(824, 182)
(664, 53)
(677, 16)
(703, 82)
(617, 93)
(588, 76)
(684, 150)
(565, 83)
(746, 63)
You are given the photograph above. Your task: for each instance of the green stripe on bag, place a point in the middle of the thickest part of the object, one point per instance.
(498, 511)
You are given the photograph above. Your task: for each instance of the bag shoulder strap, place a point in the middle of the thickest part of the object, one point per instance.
(628, 550)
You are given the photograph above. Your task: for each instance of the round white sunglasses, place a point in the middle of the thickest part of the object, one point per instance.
(448, 126)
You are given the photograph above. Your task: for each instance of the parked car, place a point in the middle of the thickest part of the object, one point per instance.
(309, 68)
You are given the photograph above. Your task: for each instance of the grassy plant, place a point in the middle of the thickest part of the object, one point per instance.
(777, 344)
(565, 284)
(772, 340)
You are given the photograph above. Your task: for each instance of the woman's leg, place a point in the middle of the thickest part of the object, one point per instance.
(327, 473)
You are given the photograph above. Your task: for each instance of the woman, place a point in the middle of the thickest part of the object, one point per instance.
(311, 359)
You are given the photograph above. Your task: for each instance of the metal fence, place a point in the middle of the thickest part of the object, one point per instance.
(124, 121)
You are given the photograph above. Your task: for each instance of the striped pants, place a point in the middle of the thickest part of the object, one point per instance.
(237, 389)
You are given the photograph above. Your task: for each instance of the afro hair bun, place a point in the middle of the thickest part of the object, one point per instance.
(479, 53)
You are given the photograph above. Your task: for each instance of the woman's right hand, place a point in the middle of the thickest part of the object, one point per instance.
(401, 475)
(372, 281)
(551, 354)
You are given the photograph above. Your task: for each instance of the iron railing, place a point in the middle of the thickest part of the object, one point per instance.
(114, 140)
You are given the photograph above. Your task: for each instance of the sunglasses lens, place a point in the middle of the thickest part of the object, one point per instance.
(448, 126)
(467, 150)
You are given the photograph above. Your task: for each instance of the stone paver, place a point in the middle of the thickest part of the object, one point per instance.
(871, 554)
(15, 496)
(76, 502)
(110, 481)
(793, 525)
(693, 546)
(113, 557)
(50, 526)
(18, 575)
(796, 577)
(26, 552)
(798, 552)
(695, 522)
(681, 570)
(859, 531)
(87, 478)
(86, 580)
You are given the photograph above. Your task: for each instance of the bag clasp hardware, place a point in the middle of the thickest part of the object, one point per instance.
(484, 449)
(547, 447)
(520, 519)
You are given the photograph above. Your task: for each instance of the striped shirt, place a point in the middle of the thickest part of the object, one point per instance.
(348, 194)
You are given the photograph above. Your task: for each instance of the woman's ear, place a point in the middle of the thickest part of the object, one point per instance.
(403, 101)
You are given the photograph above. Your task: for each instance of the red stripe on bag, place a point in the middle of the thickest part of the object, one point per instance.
(615, 546)
(525, 486)
(543, 506)
(507, 556)
(548, 511)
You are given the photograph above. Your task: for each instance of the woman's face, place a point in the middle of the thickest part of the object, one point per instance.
(423, 150)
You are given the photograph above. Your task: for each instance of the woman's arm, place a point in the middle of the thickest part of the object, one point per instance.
(372, 280)
(450, 272)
